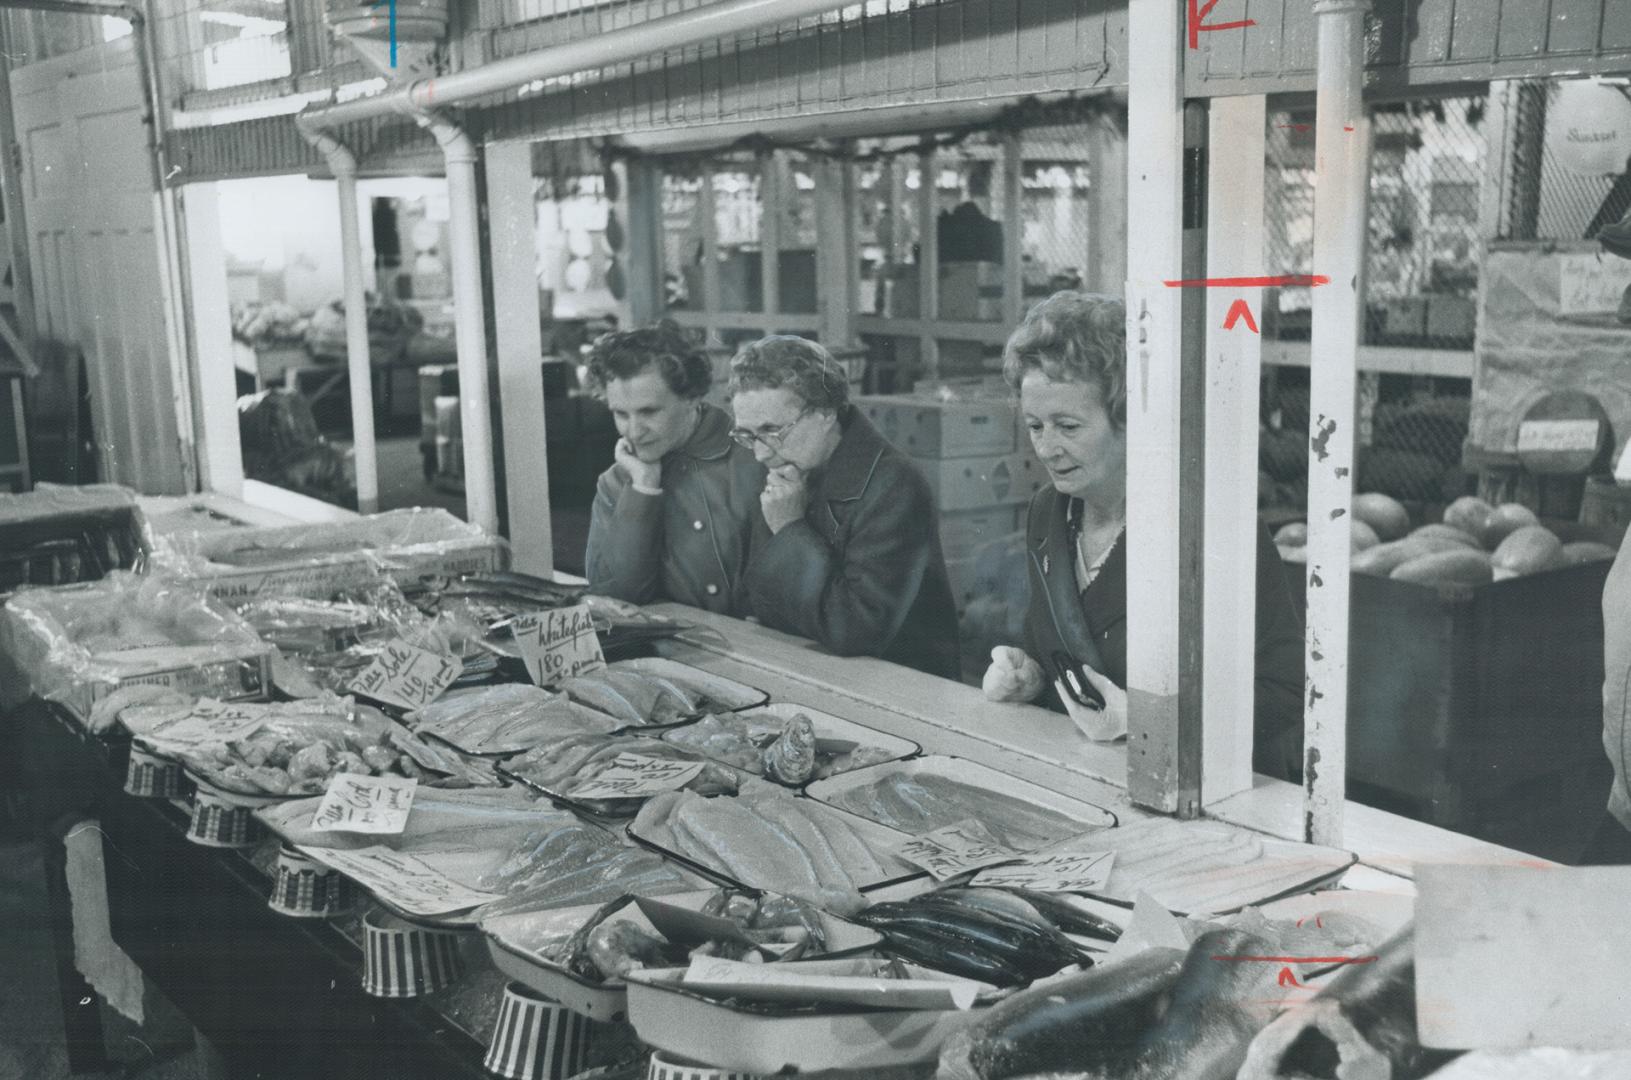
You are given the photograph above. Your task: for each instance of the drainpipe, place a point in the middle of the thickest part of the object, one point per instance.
(469, 326)
(710, 22)
(1340, 181)
(359, 364)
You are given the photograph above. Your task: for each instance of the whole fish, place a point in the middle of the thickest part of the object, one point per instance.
(1021, 940)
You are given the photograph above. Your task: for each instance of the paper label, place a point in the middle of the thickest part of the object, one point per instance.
(1558, 435)
(558, 644)
(1070, 871)
(1591, 284)
(358, 803)
(634, 775)
(401, 880)
(796, 982)
(208, 723)
(407, 676)
(956, 849)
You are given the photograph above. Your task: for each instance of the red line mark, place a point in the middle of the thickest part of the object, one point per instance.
(1236, 310)
(1302, 959)
(1197, 12)
(1347, 127)
(1300, 127)
(1248, 282)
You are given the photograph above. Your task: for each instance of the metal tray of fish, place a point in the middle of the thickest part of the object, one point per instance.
(933, 791)
(879, 841)
(467, 719)
(841, 745)
(518, 944)
(718, 693)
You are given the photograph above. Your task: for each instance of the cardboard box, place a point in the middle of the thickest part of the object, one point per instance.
(976, 483)
(969, 292)
(930, 428)
(1454, 317)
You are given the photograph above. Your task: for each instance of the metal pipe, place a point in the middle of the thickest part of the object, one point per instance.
(1340, 179)
(469, 321)
(709, 23)
(359, 363)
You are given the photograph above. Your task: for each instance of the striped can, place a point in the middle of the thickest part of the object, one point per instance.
(217, 823)
(152, 777)
(308, 889)
(661, 1068)
(402, 959)
(536, 1038)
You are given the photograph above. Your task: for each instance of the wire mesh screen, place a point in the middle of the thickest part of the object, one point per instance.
(1561, 182)
(1421, 273)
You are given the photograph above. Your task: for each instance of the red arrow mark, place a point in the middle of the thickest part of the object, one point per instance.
(1281, 280)
(1198, 12)
(1237, 310)
(1288, 979)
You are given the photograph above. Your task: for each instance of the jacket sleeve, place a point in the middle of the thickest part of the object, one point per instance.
(1617, 680)
(856, 604)
(625, 546)
(1278, 711)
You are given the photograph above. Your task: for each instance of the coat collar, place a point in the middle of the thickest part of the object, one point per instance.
(849, 470)
(1055, 547)
(712, 438)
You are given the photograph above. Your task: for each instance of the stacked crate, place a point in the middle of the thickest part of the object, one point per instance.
(969, 443)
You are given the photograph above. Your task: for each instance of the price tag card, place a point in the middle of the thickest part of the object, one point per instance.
(632, 776)
(956, 849)
(407, 676)
(359, 803)
(558, 644)
(1540, 436)
(179, 729)
(1065, 871)
(401, 880)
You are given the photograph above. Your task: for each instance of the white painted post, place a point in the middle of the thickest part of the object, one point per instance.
(772, 192)
(928, 260)
(1154, 398)
(518, 341)
(1340, 179)
(220, 454)
(1234, 246)
(1013, 245)
(359, 362)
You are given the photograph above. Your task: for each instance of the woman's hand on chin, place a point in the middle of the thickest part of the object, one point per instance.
(1012, 676)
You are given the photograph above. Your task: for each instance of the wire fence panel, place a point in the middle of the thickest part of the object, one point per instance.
(1559, 185)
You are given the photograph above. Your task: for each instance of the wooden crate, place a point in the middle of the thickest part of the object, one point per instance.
(1459, 698)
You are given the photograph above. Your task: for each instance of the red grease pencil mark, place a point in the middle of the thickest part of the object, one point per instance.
(1300, 127)
(1347, 127)
(1287, 978)
(1197, 12)
(1237, 310)
(1281, 280)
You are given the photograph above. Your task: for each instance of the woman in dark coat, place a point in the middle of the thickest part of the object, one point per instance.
(848, 551)
(1067, 363)
(673, 518)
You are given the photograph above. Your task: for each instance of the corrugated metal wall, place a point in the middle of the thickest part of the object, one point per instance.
(1414, 43)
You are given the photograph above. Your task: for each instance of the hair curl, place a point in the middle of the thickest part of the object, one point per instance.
(1074, 337)
(624, 354)
(801, 365)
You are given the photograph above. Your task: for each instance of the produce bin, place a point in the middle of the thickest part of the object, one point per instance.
(1461, 700)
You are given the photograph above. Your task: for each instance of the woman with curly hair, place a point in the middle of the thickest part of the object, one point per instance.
(673, 517)
(1067, 362)
(850, 552)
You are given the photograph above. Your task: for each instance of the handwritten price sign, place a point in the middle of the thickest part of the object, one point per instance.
(359, 803)
(207, 723)
(407, 676)
(558, 644)
(631, 776)
(1071, 872)
(401, 880)
(956, 849)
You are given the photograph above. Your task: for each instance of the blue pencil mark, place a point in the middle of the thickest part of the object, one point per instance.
(392, 6)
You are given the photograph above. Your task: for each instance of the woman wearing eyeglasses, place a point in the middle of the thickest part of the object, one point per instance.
(1067, 361)
(849, 553)
(673, 518)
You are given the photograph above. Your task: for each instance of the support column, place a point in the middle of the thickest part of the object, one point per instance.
(215, 413)
(834, 276)
(1234, 245)
(358, 360)
(1340, 179)
(928, 260)
(1106, 269)
(1159, 630)
(518, 344)
(643, 258)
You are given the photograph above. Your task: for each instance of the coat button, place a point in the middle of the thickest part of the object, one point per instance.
(697, 525)
(711, 589)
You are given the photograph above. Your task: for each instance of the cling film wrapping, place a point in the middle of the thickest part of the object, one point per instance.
(321, 559)
(77, 645)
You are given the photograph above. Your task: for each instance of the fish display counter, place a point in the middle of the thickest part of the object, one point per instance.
(729, 849)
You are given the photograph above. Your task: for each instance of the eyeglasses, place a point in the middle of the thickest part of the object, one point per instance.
(746, 437)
